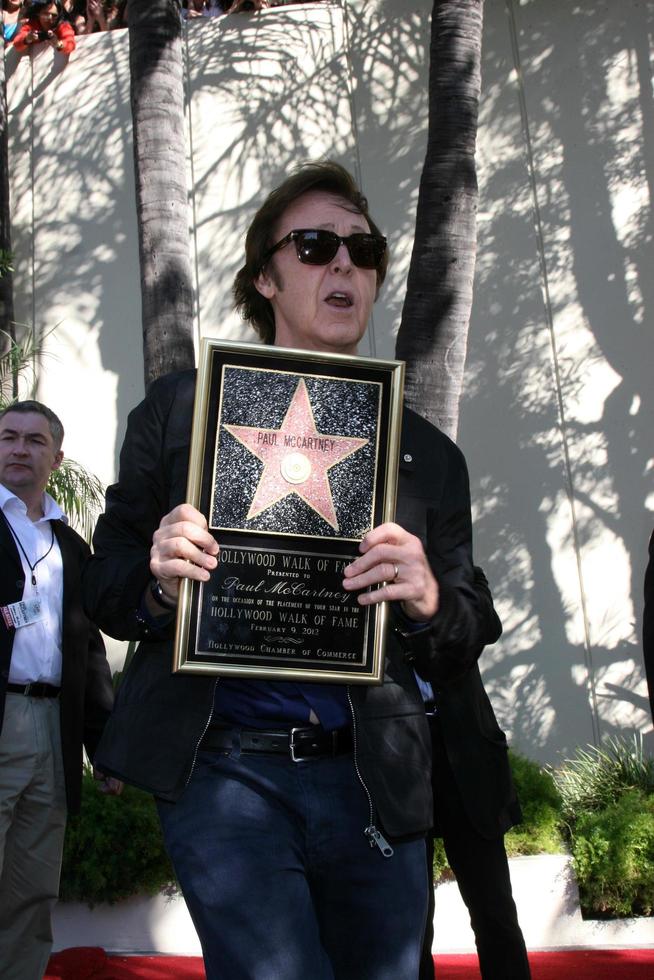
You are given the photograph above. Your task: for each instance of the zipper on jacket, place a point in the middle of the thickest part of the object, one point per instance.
(204, 732)
(373, 835)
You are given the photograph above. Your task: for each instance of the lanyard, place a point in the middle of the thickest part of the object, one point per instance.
(32, 567)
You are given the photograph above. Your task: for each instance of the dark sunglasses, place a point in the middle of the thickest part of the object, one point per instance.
(316, 246)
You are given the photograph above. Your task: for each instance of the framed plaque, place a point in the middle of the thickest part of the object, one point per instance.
(293, 459)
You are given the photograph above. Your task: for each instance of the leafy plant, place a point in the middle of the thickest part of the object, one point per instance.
(597, 775)
(79, 493)
(17, 361)
(114, 848)
(608, 805)
(540, 830)
(441, 869)
(613, 851)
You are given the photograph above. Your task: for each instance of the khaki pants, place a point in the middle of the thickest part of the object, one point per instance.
(32, 825)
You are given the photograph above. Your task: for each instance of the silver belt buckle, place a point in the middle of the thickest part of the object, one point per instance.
(291, 744)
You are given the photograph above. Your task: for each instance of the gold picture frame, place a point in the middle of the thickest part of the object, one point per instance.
(294, 456)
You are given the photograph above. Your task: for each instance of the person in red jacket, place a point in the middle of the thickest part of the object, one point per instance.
(45, 22)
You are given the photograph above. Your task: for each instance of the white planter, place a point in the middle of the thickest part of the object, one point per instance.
(139, 925)
(547, 898)
(544, 888)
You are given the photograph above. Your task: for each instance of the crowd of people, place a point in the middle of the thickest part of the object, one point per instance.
(58, 22)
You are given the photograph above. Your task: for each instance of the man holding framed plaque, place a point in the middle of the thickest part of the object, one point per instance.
(294, 810)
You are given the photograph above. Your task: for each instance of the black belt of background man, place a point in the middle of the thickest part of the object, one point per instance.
(300, 744)
(35, 689)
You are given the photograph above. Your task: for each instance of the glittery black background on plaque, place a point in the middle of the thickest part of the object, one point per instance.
(340, 407)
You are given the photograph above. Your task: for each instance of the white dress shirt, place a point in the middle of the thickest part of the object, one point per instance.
(36, 652)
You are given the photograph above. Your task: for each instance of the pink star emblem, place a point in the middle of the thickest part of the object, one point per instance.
(296, 458)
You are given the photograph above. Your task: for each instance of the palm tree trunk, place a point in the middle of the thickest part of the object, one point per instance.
(6, 278)
(432, 338)
(157, 95)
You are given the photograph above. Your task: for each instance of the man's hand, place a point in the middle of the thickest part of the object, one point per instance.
(182, 548)
(108, 784)
(391, 555)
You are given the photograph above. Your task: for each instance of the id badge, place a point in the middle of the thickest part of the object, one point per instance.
(22, 613)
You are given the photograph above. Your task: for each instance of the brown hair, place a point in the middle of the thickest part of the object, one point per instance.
(323, 176)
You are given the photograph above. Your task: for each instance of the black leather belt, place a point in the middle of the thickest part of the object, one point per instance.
(298, 743)
(36, 689)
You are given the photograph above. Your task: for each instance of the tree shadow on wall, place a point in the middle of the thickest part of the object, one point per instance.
(588, 101)
(72, 145)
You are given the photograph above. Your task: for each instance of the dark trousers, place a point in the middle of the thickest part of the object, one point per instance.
(482, 874)
(280, 880)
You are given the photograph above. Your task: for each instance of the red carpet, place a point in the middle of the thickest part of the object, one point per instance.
(586, 964)
(89, 963)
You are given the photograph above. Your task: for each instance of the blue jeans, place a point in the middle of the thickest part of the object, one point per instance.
(280, 880)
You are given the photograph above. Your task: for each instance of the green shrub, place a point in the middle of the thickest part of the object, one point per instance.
(608, 807)
(113, 848)
(441, 867)
(540, 830)
(613, 851)
(595, 777)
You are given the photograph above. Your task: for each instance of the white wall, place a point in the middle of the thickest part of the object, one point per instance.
(74, 236)
(556, 415)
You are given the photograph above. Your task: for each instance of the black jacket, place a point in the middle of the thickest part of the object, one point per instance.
(159, 718)
(475, 745)
(86, 690)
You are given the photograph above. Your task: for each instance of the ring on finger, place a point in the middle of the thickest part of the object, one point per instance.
(396, 569)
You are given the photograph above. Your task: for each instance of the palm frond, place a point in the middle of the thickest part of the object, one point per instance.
(598, 775)
(79, 493)
(17, 362)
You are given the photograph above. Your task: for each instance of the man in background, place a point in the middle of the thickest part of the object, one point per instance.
(475, 804)
(55, 685)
